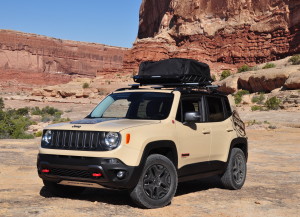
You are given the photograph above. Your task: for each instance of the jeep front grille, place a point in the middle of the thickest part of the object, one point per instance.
(75, 140)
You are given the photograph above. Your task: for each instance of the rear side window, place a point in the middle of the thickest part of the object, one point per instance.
(228, 108)
(215, 109)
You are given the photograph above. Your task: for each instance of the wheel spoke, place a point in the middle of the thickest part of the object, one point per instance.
(161, 191)
(149, 189)
(156, 181)
(238, 169)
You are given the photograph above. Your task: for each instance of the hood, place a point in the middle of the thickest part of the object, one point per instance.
(102, 124)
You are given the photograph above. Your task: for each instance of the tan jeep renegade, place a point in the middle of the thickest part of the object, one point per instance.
(146, 140)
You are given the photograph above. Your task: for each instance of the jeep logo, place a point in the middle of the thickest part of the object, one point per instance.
(76, 126)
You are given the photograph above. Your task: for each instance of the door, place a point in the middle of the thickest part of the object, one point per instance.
(194, 138)
(222, 133)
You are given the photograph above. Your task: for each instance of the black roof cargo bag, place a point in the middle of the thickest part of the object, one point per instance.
(175, 71)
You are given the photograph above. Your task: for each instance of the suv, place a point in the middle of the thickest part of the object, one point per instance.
(146, 140)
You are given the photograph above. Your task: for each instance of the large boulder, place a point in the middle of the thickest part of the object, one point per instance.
(293, 82)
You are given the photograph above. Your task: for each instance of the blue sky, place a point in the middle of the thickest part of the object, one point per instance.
(111, 22)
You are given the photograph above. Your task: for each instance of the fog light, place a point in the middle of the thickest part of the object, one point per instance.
(121, 174)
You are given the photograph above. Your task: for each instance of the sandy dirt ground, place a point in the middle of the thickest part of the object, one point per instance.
(272, 186)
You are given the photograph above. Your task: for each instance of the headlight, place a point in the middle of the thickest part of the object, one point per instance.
(47, 137)
(112, 140)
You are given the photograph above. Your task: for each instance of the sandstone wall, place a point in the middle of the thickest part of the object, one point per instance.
(217, 31)
(40, 54)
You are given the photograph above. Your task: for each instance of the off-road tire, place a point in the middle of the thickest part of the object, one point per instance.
(235, 175)
(157, 184)
(62, 190)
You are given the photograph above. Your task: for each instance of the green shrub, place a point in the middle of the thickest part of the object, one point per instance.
(213, 77)
(85, 85)
(258, 99)
(60, 120)
(254, 68)
(272, 127)
(46, 118)
(1, 104)
(295, 60)
(273, 103)
(253, 122)
(38, 134)
(256, 108)
(14, 125)
(23, 111)
(50, 110)
(225, 74)
(244, 68)
(269, 65)
(239, 95)
(45, 111)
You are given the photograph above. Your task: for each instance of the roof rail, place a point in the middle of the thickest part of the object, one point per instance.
(178, 86)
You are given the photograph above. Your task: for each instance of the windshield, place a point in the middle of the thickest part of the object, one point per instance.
(135, 105)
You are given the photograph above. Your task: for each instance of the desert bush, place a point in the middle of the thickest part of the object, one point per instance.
(60, 120)
(253, 122)
(23, 111)
(44, 111)
(14, 125)
(269, 65)
(256, 108)
(213, 77)
(85, 85)
(1, 104)
(38, 134)
(244, 68)
(273, 103)
(254, 68)
(225, 74)
(295, 60)
(258, 99)
(239, 95)
(272, 127)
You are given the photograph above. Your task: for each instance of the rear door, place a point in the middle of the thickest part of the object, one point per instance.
(218, 118)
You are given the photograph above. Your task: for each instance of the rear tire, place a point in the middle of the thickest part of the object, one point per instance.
(157, 184)
(62, 190)
(235, 175)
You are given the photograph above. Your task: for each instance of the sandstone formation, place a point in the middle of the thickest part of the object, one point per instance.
(293, 82)
(30, 53)
(283, 76)
(216, 31)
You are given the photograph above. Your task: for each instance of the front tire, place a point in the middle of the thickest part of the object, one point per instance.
(62, 190)
(157, 184)
(235, 175)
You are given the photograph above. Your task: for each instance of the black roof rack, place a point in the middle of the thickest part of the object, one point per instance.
(175, 86)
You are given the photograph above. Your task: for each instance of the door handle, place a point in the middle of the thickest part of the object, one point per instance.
(229, 130)
(206, 131)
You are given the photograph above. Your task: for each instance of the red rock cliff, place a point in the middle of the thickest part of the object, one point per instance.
(40, 54)
(224, 31)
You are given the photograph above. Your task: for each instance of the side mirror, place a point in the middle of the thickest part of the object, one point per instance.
(192, 117)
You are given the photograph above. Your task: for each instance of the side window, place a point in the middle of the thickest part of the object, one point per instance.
(228, 108)
(215, 109)
(187, 105)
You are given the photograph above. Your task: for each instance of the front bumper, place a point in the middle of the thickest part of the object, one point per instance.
(81, 169)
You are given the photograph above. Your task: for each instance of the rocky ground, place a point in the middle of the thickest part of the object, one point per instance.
(271, 189)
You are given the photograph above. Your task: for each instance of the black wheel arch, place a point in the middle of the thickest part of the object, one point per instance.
(241, 143)
(166, 148)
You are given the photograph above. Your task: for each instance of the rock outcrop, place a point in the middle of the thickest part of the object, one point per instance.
(283, 76)
(216, 31)
(30, 53)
